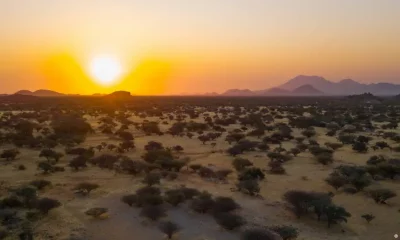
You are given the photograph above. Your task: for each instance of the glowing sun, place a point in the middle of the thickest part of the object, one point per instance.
(105, 70)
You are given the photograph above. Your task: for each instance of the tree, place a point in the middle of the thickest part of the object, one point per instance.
(46, 204)
(229, 221)
(169, 228)
(130, 199)
(126, 136)
(9, 154)
(381, 195)
(40, 184)
(368, 217)
(336, 214)
(360, 182)
(308, 133)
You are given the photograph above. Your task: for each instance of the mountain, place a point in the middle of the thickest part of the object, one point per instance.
(306, 90)
(273, 92)
(119, 95)
(344, 87)
(40, 93)
(238, 92)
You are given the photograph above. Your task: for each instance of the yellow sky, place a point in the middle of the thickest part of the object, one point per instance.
(176, 46)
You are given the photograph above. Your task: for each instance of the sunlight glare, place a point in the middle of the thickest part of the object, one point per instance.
(105, 70)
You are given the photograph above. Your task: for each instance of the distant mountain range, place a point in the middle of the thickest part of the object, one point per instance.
(315, 85)
(298, 86)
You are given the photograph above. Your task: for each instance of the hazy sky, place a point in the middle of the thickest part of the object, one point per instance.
(175, 46)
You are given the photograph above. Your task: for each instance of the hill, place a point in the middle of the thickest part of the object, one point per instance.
(40, 93)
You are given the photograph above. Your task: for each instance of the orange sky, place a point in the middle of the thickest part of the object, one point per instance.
(179, 46)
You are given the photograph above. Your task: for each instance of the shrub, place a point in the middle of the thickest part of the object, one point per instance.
(258, 234)
(11, 202)
(229, 221)
(155, 155)
(40, 184)
(241, 163)
(360, 182)
(224, 204)
(189, 193)
(350, 190)
(336, 181)
(286, 232)
(45, 167)
(9, 154)
(381, 195)
(325, 158)
(376, 159)
(130, 199)
(222, 174)
(251, 174)
(46, 204)
(302, 201)
(86, 187)
(195, 167)
(295, 151)
(206, 172)
(174, 197)
(249, 187)
(169, 228)
(151, 179)
(28, 194)
(202, 203)
(153, 212)
(368, 217)
(78, 162)
(360, 147)
(96, 212)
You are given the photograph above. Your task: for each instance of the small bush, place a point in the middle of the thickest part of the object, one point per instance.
(40, 184)
(189, 193)
(368, 217)
(224, 204)
(130, 199)
(251, 174)
(250, 187)
(151, 179)
(86, 187)
(46, 204)
(258, 234)
(174, 197)
(241, 163)
(286, 232)
(229, 221)
(336, 181)
(381, 195)
(202, 203)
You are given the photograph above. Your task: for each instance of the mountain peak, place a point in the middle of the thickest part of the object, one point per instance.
(316, 81)
(348, 81)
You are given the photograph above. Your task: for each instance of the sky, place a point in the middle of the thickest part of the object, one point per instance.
(196, 46)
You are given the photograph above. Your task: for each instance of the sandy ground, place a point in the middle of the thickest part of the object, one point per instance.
(70, 222)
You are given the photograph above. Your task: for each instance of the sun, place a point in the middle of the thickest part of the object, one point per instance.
(105, 70)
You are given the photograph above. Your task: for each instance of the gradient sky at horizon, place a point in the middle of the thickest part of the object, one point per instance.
(181, 46)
